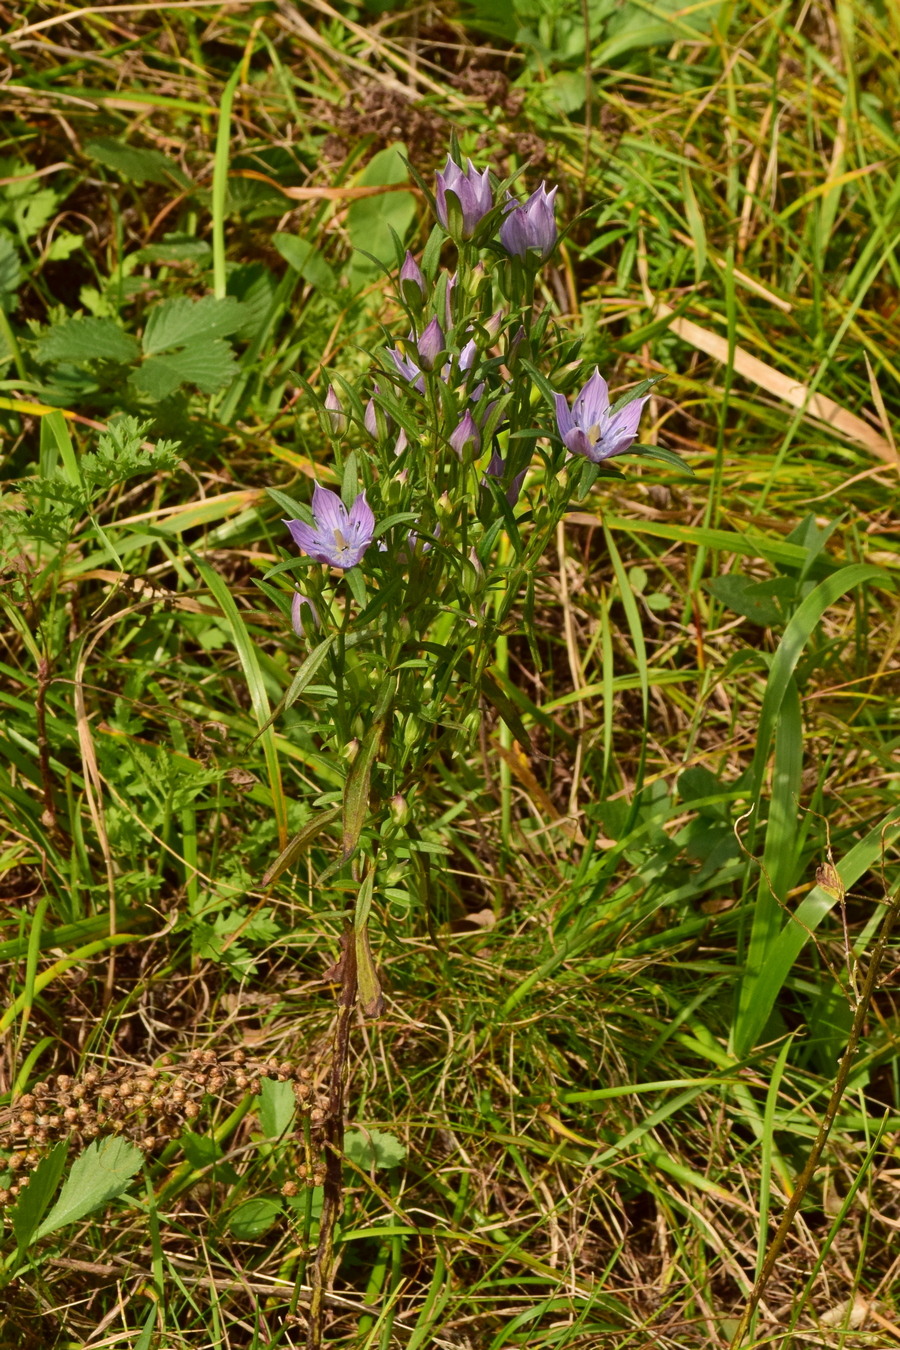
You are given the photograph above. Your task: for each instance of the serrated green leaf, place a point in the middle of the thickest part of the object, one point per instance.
(179, 322)
(254, 1217)
(368, 1148)
(277, 1106)
(62, 246)
(33, 1201)
(208, 367)
(133, 164)
(102, 1172)
(84, 340)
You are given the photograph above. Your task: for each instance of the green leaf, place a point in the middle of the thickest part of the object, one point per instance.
(178, 322)
(33, 1201)
(371, 220)
(10, 267)
(254, 1217)
(82, 341)
(763, 602)
(209, 367)
(373, 1148)
(306, 259)
(277, 1107)
(135, 165)
(356, 789)
(102, 1172)
(62, 246)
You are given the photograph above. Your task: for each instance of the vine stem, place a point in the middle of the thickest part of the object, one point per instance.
(804, 1179)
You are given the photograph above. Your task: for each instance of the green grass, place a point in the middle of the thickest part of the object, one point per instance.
(606, 1047)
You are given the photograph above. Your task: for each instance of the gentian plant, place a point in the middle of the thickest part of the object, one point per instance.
(455, 462)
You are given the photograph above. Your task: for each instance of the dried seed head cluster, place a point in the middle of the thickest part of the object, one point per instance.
(149, 1105)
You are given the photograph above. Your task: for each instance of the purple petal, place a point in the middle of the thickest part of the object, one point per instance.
(329, 511)
(514, 233)
(579, 444)
(622, 429)
(592, 404)
(564, 418)
(361, 518)
(303, 535)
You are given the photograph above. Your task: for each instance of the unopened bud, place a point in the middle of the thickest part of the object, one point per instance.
(466, 439)
(412, 283)
(337, 418)
(400, 808)
(430, 346)
(351, 750)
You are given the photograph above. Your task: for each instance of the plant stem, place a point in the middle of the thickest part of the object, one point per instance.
(321, 1273)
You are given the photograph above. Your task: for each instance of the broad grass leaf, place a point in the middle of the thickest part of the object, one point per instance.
(254, 1217)
(179, 322)
(209, 366)
(306, 259)
(33, 1201)
(277, 1106)
(102, 1172)
(87, 339)
(372, 222)
(134, 165)
(762, 602)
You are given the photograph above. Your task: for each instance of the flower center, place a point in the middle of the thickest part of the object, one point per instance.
(340, 541)
(594, 433)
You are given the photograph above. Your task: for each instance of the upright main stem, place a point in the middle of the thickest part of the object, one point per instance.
(332, 1200)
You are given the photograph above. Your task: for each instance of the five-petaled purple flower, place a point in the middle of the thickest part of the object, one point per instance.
(471, 189)
(588, 428)
(531, 225)
(339, 537)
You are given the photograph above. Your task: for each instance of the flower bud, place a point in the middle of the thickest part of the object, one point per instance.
(466, 439)
(530, 226)
(351, 750)
(431, 346)
(477, 281)
(412, 283)
(304, 615)
(399, 809)
(335, 410)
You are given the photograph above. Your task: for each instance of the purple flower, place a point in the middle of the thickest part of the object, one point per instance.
(339, 537)
(496, 469)
(297, 613)
(407, 369)
(466, 439)
(430, 345)
(530, 226)
(472, 191)
(589, 429)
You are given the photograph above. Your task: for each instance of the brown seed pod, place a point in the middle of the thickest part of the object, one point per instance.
(290, 1188)
(63, 1083)
(191, 1110)
(70, 1115)
(26, 1102)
